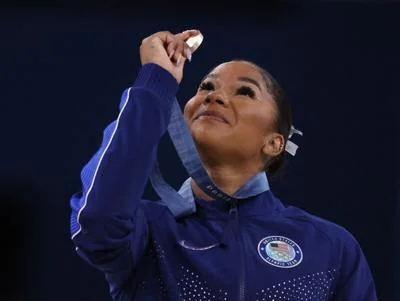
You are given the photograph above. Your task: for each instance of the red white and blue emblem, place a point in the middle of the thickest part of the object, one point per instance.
(280, 251)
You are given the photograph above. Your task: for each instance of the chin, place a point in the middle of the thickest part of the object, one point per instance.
(205, 136)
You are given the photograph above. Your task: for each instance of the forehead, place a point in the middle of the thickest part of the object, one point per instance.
(233, 70)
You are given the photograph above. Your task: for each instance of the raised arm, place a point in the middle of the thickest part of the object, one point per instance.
(108, 226)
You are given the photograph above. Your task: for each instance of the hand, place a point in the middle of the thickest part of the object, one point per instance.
(168, 51)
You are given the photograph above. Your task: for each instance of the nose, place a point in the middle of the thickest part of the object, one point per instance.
(215, 98)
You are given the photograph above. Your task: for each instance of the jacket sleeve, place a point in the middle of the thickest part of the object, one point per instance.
(108, 225)
(356, 282)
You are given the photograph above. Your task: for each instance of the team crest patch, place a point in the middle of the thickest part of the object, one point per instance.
(280, 251)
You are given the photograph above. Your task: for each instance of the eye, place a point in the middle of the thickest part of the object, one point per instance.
(208, 86)
(246, 91)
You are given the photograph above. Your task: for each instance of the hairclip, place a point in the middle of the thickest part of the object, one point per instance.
(292, 147)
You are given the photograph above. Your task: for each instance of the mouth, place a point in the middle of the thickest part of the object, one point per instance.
(213, 115)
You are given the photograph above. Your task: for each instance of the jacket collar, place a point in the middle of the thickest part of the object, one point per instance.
(257, 204)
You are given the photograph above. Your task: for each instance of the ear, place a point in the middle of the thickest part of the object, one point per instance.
(273, 145)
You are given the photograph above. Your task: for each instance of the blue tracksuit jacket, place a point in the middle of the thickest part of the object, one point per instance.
(272, 252)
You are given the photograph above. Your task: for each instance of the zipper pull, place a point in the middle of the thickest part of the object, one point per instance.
(230, 226)
(234, 216)
(233, 210)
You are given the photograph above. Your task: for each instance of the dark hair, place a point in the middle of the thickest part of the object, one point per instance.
(283, 121)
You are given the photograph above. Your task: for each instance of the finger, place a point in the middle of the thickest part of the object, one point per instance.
(187, 34)
(177, 57)
(186, 51)
(171, 49)
(195, 42)
(164, 37)
(188, 54)
(179, 50)
(177, 47)
(182, 49)
(180, 61)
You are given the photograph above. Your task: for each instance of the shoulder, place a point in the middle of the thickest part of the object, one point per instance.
(331, 238)
(338, 235)
(355, 281)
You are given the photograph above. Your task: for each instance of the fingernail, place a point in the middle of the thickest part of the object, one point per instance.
(178, 60)
(188, 54)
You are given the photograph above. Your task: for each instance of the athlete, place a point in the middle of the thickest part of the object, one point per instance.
(253, 249)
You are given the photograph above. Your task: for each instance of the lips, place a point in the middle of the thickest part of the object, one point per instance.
(213, 114)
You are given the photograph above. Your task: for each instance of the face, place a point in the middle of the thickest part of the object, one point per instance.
(232, 114)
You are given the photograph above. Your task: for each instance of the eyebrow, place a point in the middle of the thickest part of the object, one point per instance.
(250, 80)
(240, 78)
(212, 75)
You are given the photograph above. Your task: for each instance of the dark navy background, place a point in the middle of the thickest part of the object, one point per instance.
(64, 67)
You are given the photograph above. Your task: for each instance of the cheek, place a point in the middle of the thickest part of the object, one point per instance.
(258, 120)
(190, 108)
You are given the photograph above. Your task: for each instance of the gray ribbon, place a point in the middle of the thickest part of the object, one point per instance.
(187, 152)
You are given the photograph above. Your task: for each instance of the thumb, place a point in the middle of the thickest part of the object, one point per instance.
(184, 35)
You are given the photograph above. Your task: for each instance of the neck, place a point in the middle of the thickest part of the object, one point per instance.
(227, 178)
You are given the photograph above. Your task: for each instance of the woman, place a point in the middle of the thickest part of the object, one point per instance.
(254, 249)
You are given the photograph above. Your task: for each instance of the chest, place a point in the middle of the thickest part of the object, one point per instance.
(261, 261)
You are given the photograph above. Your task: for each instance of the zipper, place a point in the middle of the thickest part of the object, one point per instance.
(233, 212)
